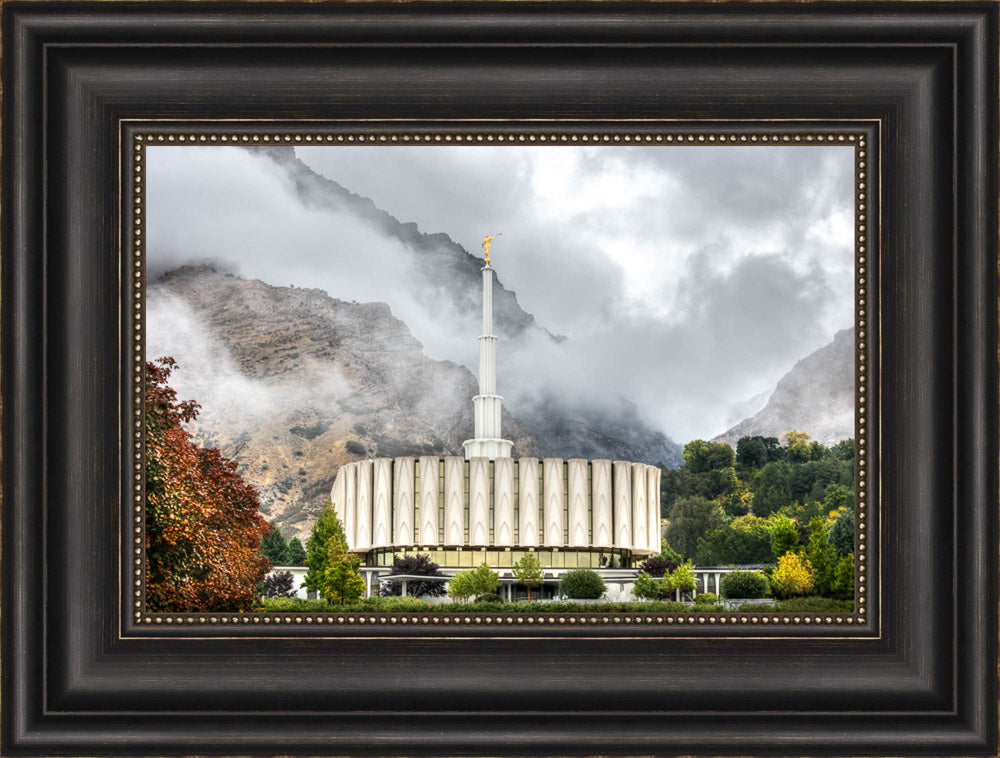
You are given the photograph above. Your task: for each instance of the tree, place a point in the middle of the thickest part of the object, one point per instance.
(296, 553)
(844, 450)
(342, 582)
(460, 585)
(280, 584)
(737, 543)
(414, 565)
(843, 582)
(822, 557)
(758, 451)
(798, 449)
(690, 519)
(484, 580)
(650, 587)
(667, 553)
(274, 546)
(793, 576)
(701, 456)
(719, 483)
(751, 452)
(683, 578)
(784, 535)
(838, 497)
(842, 532)
(737, 499)
(657, 566)
(582, 584)
(203, 525)
(327, 527)
(772, 491)
(528, 572)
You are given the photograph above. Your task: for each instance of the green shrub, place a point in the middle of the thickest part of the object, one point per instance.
(582, 584)
(294, 604)
(650, 588)
(744, 584)
(706, 598)
(814, 604)
(391, 603)
(489, 597)
(757, 608)
(355, 448)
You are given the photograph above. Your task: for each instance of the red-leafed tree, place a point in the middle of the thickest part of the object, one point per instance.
(203, 526)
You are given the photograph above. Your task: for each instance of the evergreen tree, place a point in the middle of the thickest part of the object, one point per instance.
(842, 533)
(327, 527)
(296, 553)
(273, 545)
(342, 582)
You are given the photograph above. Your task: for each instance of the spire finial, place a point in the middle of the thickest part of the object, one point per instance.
(486, 245)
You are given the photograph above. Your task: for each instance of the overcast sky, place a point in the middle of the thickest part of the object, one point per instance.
(687, 279)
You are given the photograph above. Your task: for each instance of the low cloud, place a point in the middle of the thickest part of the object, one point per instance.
(692, 286)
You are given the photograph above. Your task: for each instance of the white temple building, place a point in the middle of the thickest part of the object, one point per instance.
(490, 507)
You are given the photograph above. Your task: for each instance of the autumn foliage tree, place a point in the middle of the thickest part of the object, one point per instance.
(203, 526)
(794, 575)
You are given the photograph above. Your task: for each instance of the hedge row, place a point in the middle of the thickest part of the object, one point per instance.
(416, 605)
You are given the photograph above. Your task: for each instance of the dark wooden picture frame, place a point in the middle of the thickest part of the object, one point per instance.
(80, 677)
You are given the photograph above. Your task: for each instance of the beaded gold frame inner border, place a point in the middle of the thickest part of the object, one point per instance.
(136, 136)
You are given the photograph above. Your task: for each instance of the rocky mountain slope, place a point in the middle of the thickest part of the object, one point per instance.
(294, 383)
(816, 396)
(447, 272)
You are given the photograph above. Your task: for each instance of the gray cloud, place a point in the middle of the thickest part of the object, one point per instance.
(686, 279)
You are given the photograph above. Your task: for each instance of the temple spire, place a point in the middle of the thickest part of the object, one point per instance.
(487, 404)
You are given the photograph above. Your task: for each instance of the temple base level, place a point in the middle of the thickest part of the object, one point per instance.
(488, 448)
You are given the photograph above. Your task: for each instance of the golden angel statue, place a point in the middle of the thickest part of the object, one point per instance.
(486, 245)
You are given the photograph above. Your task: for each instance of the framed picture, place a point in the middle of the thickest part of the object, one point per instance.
(106, 103)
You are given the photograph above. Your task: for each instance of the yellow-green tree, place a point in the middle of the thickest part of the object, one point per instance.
(793, 576)
(481, 580)
(682, 578)
(342, 582)
(460, 585)
(529, 572)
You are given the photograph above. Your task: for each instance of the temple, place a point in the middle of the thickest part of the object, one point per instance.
(490, 507)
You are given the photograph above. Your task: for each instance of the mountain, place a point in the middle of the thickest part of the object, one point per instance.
(294, 383)
(816, 396)
(615, 430)
(445, 271)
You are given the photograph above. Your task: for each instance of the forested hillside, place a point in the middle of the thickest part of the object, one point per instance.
(761, 501)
